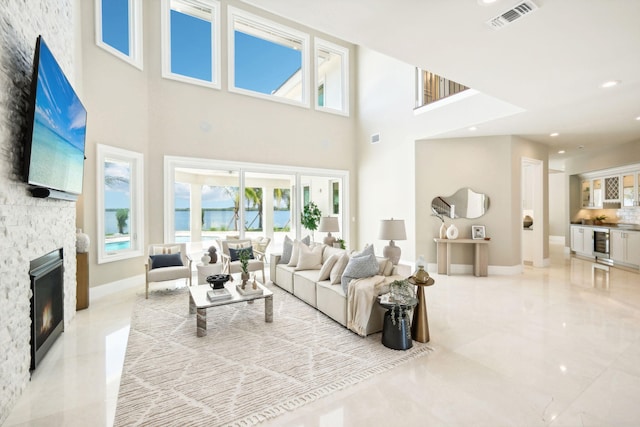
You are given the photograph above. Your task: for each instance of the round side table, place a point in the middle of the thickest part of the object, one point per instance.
(205, 270)
(420, 323)
(396, 330)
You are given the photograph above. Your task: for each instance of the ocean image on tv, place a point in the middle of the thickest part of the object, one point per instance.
(57, 150)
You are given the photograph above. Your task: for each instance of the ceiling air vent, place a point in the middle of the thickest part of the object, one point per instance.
(513, 14)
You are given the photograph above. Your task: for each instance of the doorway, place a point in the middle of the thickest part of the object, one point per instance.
(532, 238)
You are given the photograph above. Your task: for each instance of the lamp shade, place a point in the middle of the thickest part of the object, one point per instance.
(392, 229)
(328, 224)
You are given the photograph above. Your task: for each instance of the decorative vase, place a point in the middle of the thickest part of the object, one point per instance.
(452, 232)
(82, 241)
(443, 230)
(244, 277)
(205, 258)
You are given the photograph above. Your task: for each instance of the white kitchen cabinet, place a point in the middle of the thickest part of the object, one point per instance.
(629, 190)
(625, 246)
(612, 189)
(582, 240)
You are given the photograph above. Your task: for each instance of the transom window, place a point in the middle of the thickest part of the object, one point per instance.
(119, 29)
(266, 59)
(190, 41)
(332, 77)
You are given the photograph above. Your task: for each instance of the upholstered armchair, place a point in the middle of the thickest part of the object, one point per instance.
(229, 256)
(167, 261)
(260, 243)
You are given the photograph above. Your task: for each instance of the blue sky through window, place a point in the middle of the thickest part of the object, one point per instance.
(263, 66)
(115, 24)
(191, 46)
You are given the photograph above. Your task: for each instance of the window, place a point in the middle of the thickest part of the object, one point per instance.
(332, 77)
(267, 60)
(190, 41)
(119, 204)
(119, 29)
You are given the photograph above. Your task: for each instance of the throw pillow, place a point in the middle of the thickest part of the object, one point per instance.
(166, 260)
(325, 271)
(158, 250)
(336, 272)
(234, 254)
(359, 267)
(368, 250)
(294, 253)
(287, 248)
(309, 258)
(385, 265)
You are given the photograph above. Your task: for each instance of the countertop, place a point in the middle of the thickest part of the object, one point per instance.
(629, 227)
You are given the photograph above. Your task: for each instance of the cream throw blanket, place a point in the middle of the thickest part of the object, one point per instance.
(361, 297)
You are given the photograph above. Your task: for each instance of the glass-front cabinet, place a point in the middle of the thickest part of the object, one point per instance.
(629, 192)
(592, 193)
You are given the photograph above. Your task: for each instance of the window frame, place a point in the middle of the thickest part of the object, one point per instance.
(234, 15)
(135, 56)
(136, 222)
(321, 44)
(165, 24)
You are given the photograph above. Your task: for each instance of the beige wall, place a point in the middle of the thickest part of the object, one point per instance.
(141, 111)
(557, 209)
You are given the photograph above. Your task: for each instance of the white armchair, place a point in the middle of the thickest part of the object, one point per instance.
(231, 265)
(167, 261)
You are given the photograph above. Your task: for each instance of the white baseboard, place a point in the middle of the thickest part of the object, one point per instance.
(97, 292)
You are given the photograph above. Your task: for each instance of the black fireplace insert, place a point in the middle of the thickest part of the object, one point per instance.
(47, 303)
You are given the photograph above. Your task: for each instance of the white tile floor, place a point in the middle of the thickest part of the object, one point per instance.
(558, 346)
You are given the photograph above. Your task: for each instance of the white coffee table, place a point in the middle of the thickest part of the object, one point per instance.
(199, 303)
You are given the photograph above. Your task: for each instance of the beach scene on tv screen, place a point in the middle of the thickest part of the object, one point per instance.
(57, 150)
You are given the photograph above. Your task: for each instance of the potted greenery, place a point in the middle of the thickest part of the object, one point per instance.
(599, 219)
(402, 296)
(340, 244)
(311, 217)
(243, 257)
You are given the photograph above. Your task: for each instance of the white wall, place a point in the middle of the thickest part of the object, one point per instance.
(29, 227)
(558, 217)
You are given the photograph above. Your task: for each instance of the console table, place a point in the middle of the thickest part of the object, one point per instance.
(481, 255)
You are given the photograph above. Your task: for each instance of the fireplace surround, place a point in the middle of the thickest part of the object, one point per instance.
(47, 303)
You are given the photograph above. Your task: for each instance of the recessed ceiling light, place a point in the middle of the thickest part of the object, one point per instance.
(561, 152)
(638, 118)
(610, 83)
(473, 128)
(554, 134)
(486, 2)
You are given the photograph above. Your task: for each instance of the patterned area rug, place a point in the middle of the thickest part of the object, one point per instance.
(245, 370)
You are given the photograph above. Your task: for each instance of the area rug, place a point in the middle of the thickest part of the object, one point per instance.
(244, 371)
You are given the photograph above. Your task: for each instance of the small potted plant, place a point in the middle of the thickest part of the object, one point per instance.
(340, 243)
(599, 219)
(243, 257)
(403, 297)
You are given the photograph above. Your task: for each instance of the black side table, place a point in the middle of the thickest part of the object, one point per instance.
(396, 329)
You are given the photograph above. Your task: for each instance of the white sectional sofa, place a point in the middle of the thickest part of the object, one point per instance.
(327, 296)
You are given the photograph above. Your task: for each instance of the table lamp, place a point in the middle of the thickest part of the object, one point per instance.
(392, 229)
(327, 225)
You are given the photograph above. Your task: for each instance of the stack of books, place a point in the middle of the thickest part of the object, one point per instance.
(218, 294)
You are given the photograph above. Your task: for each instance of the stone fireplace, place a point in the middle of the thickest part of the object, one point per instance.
(47, 303)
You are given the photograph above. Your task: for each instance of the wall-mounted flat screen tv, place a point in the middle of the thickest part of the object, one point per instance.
(54, 147)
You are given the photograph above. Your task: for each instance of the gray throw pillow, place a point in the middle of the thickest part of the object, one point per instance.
(166, 260)
(287, 248)
(358, 268)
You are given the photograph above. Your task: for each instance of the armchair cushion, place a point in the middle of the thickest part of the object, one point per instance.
(234, 254)
(157, 250)
(166, 260)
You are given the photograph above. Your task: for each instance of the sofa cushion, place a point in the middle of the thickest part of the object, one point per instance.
(329, 251)
(327, 266)
(157, 250)
(335, 277)
(359, 267)
(309, 258)
(294, 253)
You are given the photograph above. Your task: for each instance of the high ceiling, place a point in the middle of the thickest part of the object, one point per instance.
(550, 63)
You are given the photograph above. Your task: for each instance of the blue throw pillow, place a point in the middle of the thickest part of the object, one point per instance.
(166, 260)
(358, 268)
(234, 254)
